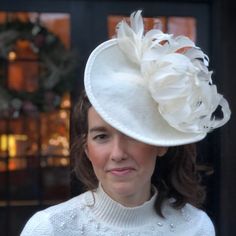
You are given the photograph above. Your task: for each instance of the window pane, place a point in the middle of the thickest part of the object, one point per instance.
(3, 17)
(3, 167)
(3, 181)
(174, 25)
(182, 26)
(55, 182)
(24, 185)
(32, 143)
(55, 140)
(3, 221)
(23, 76)
(150, 23)
(59, 24)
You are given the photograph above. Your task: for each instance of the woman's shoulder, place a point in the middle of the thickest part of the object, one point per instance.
(199, 218)
(68, 205)
(196, 214)
(45, 222)
(189, 219)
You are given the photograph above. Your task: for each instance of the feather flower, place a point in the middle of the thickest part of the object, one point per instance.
(177, 76)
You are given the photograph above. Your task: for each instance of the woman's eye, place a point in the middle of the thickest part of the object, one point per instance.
(100, 137)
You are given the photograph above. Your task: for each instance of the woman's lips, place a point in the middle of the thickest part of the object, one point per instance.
(121, 171)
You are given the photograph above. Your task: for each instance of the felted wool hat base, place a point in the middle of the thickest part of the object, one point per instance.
(120, 95)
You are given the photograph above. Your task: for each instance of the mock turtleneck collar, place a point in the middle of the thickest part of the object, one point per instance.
(113, 213)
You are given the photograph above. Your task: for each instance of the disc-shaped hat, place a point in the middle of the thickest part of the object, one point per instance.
(155, 88)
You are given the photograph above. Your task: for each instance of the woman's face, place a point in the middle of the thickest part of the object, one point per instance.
(123, 166)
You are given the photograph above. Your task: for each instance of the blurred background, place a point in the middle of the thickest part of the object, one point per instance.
(43, 50)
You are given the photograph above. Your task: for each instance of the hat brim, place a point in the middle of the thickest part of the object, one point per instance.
(119, 94)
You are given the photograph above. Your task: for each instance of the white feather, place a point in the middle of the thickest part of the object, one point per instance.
(179, 82)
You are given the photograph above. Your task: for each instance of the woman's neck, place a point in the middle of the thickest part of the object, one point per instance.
(132, 200)
(115, 214)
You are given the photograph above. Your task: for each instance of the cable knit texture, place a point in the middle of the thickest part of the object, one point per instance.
(96, 214)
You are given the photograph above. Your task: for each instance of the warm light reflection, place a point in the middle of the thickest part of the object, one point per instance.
(65, 152)
(11, 56)
(53, 161)
(63, 115)
(3, 143)
(8, 143)
(59, 141)
(64, 161)
(65, 103)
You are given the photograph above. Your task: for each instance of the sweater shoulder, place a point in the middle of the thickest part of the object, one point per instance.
(66, 206)
(190, 219)
(200, 217)
(50, 220)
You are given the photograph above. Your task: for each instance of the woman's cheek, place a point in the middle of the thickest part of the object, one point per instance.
(96, 155)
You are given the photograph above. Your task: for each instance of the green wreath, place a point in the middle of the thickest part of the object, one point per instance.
(57, 64)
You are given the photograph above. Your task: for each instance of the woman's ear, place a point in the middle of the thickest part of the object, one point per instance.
(162, 151)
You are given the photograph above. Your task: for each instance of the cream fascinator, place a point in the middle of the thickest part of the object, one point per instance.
(154, 87)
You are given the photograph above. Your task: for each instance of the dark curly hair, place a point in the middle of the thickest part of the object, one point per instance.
(175, 176)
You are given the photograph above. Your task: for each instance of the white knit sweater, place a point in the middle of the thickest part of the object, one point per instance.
(96, 214)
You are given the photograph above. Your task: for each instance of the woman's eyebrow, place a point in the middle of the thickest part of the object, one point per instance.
(98, 129)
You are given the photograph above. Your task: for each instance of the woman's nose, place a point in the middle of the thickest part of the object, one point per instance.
(119, 147)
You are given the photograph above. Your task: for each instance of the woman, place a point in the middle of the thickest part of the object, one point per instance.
(148, 98)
